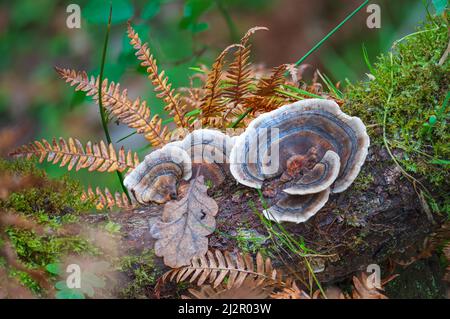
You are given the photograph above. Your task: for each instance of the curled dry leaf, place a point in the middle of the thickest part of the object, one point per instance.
(365, 287)
(181, 232)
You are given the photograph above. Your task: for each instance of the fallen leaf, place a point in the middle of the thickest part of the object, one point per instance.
(181, 232)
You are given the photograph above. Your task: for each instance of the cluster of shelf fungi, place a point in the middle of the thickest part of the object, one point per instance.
(297, 154)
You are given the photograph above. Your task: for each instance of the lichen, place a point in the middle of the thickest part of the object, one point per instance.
(405, 98)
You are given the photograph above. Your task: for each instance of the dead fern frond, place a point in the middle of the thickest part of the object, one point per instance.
(215, 267)
(240, 75)
(104, 199)
(159, 80)
(267, 86)
(135, 113)
(250, 289)
(266, 98)
(211, 103)
(95, 157)
(294, 292)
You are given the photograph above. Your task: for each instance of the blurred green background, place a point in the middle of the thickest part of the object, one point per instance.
(182, 34)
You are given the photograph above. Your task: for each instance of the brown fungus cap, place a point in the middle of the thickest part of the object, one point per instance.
(316, 179)
(209, 151)
(308, 128)
(157, 177)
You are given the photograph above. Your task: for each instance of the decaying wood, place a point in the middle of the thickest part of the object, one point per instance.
(361, 226)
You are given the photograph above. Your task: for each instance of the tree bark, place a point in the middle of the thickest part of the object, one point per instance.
(380, 217)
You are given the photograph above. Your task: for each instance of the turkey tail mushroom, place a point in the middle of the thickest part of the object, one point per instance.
(297, 208)
(157, 177)
(209, 151)
(309, 148)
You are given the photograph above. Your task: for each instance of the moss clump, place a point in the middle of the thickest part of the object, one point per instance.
(38, 251)
(406, 98)
(363, 181)
(52, 204)
(52, 197)
(143, 274)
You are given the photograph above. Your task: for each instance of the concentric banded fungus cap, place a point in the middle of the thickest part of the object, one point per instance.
(209, 151)
(297, 208)
(292, 139)
(314, 180)
(156, 178)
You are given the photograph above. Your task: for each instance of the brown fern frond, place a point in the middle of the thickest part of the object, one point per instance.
(211, 103)
(104, 199)
(294, 292)
(95, 157)
(159, 80)
(266, 97)
(250, 289)
(267, 86)
(240, 73)
(215, 267)
(135, 113)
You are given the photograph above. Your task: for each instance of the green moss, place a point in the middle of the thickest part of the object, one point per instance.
(52, 204)
(51, 197)
(250, 241)
(20, 166)
(142, 271)
(409, 88)
(38, 251)
(363, 181)
(56, 198)
(26, 280)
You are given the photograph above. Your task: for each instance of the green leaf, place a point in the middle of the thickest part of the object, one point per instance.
(61, 285)
(193, 10)
(440, 162)
(151, 9)
(97, 11)
(432, 120)
(440, 6)
(69, 294)
(199, 27)
(54, 268)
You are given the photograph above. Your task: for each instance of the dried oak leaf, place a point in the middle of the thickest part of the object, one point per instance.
(181, 232)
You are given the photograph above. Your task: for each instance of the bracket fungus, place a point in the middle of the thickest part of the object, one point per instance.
(209, 151)
(156, 178)
(305, 150)
(202, 152)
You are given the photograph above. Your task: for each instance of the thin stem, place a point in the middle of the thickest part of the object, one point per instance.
(230, 24)
(240, 118)
(103, 114)
(319, 44)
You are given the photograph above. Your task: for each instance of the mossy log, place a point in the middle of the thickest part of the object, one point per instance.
(379, 218)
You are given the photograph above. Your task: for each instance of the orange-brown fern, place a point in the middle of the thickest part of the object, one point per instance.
(96, 157)
(212, 101)
(104, 199)
(135, 114)
(159, 80)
